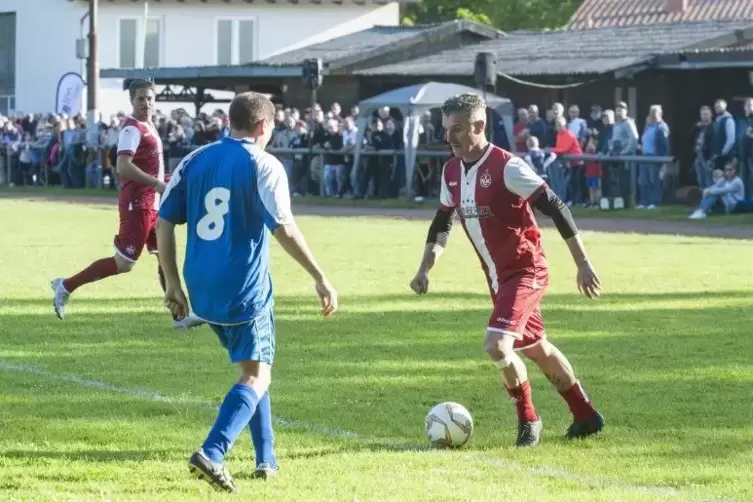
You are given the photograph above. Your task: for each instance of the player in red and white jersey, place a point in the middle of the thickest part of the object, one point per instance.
(493, 193)
(141, 170)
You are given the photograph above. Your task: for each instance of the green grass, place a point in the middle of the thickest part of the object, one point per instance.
(665, 213)
(665, 354)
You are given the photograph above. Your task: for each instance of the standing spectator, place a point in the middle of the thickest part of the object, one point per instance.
(746, 144)
(624, 142)
(334, 163)
(577, 125)
(567, 144)
(593, 173)
(724, 136)
(704, 137)
(536, 125)
(520, 130)
(595, 121)
(654, 143)
(350, 138)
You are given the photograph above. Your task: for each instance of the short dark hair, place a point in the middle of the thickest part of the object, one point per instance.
(248, 109)
(136, 84)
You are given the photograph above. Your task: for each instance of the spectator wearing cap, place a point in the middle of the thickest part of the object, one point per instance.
(654, 143)
(723, 143)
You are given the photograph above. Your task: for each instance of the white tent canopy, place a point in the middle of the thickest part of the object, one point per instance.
(413, 101)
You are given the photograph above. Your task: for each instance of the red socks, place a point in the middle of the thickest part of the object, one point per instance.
(579, 404)
(98, 270)
(521, 396)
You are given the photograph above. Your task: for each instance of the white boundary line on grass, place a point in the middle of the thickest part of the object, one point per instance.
(150, 395)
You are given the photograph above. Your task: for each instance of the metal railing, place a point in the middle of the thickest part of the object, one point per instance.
(623, 166)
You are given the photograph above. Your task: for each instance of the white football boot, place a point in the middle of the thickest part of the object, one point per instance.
(60, 297)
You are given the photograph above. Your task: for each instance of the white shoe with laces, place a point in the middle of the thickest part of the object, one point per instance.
(698, 214)
(60, 297)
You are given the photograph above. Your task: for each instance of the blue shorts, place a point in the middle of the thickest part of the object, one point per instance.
(593, 182)
(250, 341)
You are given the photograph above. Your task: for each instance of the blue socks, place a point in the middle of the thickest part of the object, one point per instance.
(235, 413)
(262, 434)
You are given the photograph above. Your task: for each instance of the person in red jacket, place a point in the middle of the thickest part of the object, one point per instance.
(567, 144)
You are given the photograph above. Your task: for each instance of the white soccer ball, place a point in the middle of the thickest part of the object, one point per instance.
(449, 425)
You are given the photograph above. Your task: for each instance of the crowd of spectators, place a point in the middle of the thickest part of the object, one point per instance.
(52, 150)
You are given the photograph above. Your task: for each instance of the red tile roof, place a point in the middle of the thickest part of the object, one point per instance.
(604, 13)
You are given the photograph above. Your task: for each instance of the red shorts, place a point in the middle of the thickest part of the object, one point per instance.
(517, 310)
(137, 229)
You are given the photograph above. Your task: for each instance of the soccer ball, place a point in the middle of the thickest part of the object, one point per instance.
(449, 425)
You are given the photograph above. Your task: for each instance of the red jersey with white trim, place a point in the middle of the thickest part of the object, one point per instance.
(491, 197)
(141, 141)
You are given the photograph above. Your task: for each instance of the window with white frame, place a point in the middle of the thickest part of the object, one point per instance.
(236, 41)
(128, 42)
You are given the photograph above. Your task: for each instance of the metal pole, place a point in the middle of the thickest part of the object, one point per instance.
(81, 32)
(92, 76)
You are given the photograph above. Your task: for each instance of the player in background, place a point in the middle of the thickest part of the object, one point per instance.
(141, 172)
(231, 195)
(493, 193)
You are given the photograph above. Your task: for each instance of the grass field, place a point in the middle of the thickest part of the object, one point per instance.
(108, 404)
(665, 213)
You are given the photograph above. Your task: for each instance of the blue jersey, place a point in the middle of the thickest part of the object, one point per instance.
(230, 194)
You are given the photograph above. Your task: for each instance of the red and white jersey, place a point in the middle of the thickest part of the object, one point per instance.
(141, 141)
(491, 197)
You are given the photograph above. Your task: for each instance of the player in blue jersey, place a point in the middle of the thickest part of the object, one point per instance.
(231, 194)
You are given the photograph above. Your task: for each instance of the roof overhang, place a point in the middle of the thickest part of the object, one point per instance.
(194, 75)
(703, 60)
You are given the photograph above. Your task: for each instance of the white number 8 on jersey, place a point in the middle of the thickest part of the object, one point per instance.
(212, 224)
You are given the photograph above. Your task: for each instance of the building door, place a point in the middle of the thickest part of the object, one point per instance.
(7, 61)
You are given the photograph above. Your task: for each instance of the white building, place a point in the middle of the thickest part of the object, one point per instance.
(38, 38)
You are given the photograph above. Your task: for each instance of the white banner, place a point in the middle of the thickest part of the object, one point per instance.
(70, 94)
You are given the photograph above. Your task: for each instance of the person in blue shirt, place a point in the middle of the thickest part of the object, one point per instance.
(230, 195)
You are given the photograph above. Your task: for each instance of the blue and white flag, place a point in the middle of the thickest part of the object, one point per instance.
(70, 94)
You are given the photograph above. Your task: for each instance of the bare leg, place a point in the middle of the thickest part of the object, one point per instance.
(553, 364)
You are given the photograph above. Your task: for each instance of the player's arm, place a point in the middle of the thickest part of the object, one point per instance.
(272, 184)
(172, 212)
(524, 182)
(437, 237)
(128, 141)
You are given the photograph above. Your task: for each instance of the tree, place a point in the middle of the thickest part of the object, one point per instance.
(505, 15)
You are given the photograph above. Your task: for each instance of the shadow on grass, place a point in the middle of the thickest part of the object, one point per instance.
(659, 374)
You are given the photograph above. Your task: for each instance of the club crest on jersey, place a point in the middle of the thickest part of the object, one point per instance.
(485, 180)
(130, 250)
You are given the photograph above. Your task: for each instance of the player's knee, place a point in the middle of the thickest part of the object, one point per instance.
(499, 346)
(123, 265)
(256, 375)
